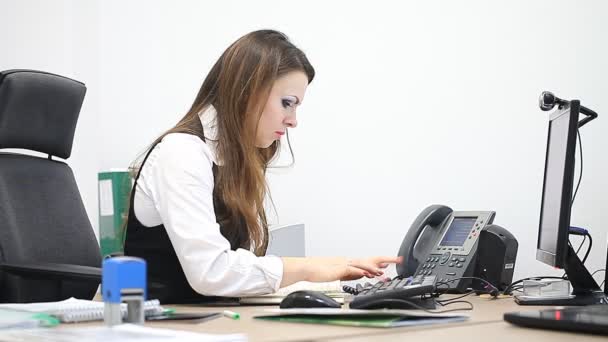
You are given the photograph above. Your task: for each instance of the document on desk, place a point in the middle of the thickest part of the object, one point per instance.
(123, 332)
(79, 310)
(332, 289)
(362, 318)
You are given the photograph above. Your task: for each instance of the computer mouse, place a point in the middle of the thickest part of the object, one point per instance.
(308, 299)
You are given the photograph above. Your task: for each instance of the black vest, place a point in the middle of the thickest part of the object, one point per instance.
(166, 279)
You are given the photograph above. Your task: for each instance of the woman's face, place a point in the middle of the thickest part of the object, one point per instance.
(279, 113)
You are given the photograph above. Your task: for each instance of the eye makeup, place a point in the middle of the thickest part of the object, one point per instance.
(289, 101)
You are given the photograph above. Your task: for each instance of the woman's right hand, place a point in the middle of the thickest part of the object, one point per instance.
(350, 269)
(323, 269)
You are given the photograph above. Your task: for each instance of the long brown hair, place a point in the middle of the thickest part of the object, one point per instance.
(238, 87)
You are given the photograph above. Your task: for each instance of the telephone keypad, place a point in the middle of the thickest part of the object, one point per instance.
(443, 265)
(438, 264)
(445, 257)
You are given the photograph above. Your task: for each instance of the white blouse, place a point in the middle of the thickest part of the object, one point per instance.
(175, 188)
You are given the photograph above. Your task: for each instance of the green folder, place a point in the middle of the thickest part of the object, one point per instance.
(114, 189)
(360, 318)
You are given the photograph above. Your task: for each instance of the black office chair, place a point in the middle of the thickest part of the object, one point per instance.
(48, 250)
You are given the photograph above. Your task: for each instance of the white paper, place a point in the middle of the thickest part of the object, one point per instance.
(106, 202)
(123, 332)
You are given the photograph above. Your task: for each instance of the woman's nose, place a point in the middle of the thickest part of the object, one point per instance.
(291, 121)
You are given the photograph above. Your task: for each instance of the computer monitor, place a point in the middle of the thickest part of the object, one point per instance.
(553, 247)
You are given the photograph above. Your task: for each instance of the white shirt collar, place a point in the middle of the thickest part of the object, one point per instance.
(209, 121)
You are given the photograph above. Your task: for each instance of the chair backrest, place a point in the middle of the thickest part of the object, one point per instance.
(287, 241)
(42, 217)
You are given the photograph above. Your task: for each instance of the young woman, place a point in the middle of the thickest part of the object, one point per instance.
(196, 210)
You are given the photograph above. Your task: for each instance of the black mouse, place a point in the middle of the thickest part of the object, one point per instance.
(308, 299)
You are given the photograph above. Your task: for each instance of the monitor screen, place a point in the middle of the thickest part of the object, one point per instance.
(557, 188)
(458, 231)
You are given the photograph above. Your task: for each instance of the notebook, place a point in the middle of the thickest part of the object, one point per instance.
(79, 310)
(332, 289)
(361, 318)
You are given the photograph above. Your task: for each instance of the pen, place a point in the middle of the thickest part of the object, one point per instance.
(231, 314)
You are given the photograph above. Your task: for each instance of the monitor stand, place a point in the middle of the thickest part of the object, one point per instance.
(585, 290)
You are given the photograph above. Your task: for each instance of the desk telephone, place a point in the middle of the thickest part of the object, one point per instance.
(440, 250)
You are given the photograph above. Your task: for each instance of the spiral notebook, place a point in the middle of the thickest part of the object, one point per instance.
(79, 310)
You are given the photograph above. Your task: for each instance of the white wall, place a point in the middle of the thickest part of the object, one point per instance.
(414, 103)
(60, 36)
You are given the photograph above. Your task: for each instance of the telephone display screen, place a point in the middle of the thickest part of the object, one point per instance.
(458, 231)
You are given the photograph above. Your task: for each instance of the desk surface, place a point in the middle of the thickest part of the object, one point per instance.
(486, 320)
(493, 331)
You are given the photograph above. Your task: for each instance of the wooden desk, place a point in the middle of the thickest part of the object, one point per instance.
(486, 320)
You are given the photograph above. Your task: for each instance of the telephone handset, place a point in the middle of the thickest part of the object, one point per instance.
(443, 242)
(415, 245)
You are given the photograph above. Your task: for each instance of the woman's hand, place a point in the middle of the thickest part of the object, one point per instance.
(351, 269)
(374, 266)
(320, 269)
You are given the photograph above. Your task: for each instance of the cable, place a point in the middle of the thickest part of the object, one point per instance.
(588, 248)
(455, 279)
(387, 302)
(517, 288)
(448, 301)
(582, 243)
(580, 177)
(457, 309)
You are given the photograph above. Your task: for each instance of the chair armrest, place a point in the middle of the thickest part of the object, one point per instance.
(53, 271)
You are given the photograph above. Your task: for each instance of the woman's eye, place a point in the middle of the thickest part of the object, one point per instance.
(286, 103)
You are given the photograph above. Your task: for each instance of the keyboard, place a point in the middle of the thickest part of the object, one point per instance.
(399, 293)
